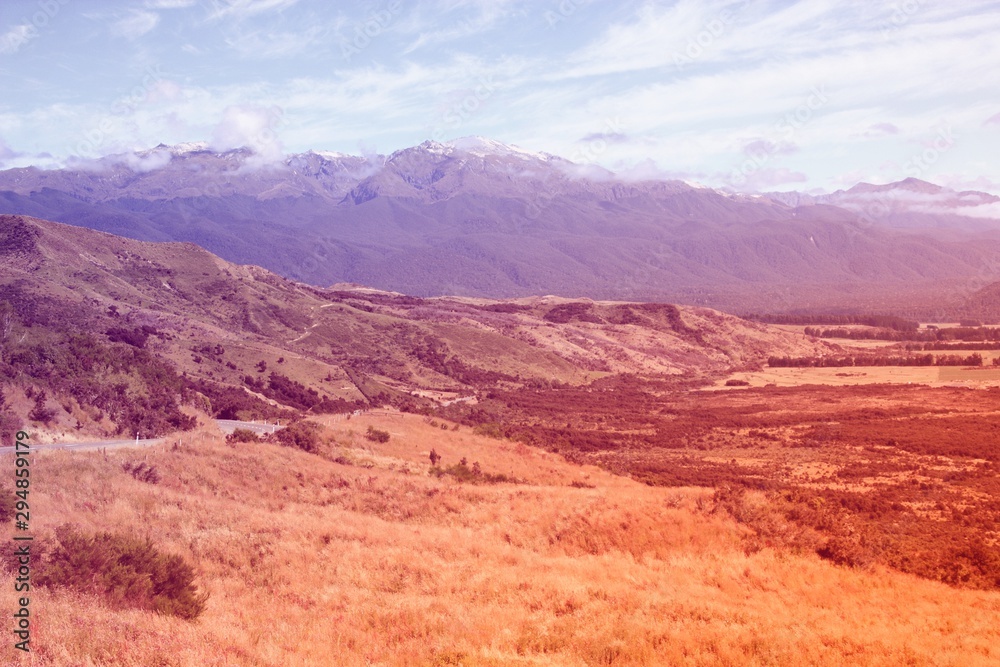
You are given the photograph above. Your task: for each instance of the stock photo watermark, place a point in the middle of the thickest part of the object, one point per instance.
(784, 130)
(96, 137)
(469, 102)
(902, 12)
(365, 33)
(711, 31)
(31, 26)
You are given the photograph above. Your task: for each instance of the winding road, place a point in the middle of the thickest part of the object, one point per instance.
(225, 425)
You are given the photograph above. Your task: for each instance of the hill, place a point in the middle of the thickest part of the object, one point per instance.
(360, 557)
(242, 341)
(474, 217)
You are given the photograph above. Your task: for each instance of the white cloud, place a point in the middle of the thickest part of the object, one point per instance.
(265, 44)
(148, 161)
(486, 15)
(12, 40)
(170, 4)
(243, 9)
(251, 126)
(137, 24)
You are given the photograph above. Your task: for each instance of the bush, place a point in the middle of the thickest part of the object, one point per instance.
(142, 471)
(377, 435)
(242, 435)
(7, 506)
(461, 472)
(126, 571)
(301, 435)
(41, 413)
(737, 383)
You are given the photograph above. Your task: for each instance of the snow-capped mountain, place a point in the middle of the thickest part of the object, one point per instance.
(478, 217)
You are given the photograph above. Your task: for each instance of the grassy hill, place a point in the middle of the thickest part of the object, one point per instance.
(241, 341)
(374, 561)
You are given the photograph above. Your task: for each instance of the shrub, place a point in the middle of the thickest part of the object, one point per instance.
(301, 435)
(125, 570)
(461, 472)
(737, 383)
(377, 435)
(41, 413)
(142, 471)
(7, 506)
(242, 435)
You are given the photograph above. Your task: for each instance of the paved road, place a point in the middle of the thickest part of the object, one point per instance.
(229, 425)
(226, 425)
(98, 444)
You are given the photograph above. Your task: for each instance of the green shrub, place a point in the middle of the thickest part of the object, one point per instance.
(142, 471)
(7, 506)
(242, 435)
(377, 435)
(301, 435)
(124, 570)
(461, 472)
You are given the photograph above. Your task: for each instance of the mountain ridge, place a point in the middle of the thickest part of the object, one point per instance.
(479, 218)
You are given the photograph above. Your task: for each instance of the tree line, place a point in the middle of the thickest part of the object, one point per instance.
(875, 360)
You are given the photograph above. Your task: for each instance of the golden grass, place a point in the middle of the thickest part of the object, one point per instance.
(310, 562)
(932, 376)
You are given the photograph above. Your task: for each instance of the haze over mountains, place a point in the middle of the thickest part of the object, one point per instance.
(476, 217)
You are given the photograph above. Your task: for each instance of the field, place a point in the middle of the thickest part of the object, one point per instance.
(902, 475)
(371, 561)
(934, 376)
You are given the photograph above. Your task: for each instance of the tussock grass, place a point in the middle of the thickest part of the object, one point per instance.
(313, 562)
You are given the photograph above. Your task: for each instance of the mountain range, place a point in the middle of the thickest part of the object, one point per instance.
(475, 217)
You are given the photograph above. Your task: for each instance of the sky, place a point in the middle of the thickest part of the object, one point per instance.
(753, 95)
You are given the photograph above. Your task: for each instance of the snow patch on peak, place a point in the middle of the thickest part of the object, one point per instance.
(482, 146)
(330, 155)
(189, 147)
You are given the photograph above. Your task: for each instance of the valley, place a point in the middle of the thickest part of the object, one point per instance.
(568, 473)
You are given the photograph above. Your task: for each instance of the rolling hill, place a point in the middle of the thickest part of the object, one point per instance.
(216, 328)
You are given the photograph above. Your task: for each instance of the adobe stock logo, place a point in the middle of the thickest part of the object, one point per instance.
(365, 33)
(711, 31)
(458, 111)
(96, 137)
(786, 127)
(30, 28)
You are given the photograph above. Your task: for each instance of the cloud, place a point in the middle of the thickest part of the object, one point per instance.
(135, 25)
(12, 40)
(243, 9)
(250, 126)
(260, 44)
(6, 153)
(609, 137)
(149, 160)
(648, 170)
(170, 4)
(766, 147)
(881, 130)
(766, 178)
(992, 120)
(486, 16)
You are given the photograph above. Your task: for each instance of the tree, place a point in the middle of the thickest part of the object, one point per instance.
(435, 458)
(41, 413)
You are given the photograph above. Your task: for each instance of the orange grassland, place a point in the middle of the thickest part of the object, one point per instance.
(374, 562)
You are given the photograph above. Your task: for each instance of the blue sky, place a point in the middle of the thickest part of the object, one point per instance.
(755, 95)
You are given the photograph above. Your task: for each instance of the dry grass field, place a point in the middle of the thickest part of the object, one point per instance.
(933, 376)
(372, 561)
